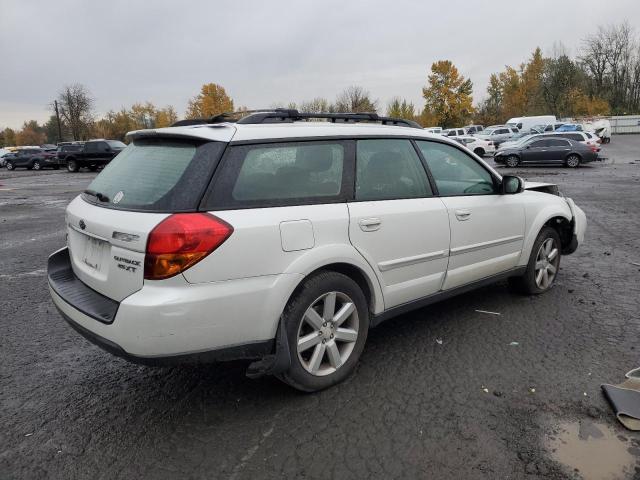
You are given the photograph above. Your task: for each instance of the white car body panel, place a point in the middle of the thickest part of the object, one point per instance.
(406, 242)
(483, 243)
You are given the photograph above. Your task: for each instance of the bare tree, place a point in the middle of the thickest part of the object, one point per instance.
(355, 99)
(76, 109)
(610, 59)
(317, 105)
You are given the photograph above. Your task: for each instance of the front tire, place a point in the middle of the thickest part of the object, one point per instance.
(512, 161)
(72, 166)
(479, 152)
(543, 266)
(326, 322)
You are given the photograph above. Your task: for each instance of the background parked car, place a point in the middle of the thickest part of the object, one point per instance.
(29, 158)
(546, 150)
(588, 139)
(570, 127)
(525, 123)
(479, 146)
(498, 135)
(3, 153)
(548, 127)
(91, 154)
(437, 130)
(454, 132)
(472, 129)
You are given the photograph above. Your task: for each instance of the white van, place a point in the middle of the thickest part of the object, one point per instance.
(525, 123)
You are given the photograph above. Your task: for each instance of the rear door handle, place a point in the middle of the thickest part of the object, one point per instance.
(369, 224)
(463, 215)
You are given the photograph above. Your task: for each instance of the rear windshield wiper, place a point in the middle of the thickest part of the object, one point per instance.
(100, 196)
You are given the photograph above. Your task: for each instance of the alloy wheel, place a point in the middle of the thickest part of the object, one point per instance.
(573, 161)
(546, 264)
(512, 161)
(327, 333)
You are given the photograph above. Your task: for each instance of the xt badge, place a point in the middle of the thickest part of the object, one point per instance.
(127, 264)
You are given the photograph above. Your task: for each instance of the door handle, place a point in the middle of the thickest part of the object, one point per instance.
(369, 224)
(463, 215)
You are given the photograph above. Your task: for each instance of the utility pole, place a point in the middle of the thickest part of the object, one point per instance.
(55, 104)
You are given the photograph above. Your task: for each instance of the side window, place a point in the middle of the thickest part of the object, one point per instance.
(455, 172)
(575, 136)
(557, 142)
(280, 173)
(103, 146)
(389, 169)
(539, 144)
(91, 147)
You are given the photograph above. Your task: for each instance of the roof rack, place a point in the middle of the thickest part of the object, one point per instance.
(289, 115)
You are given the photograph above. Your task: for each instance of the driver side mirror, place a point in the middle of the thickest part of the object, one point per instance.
(512, 184)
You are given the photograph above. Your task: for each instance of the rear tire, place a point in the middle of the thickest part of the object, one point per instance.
(9, 165)
(36, 165)
(326, 321)
(72, 166)
(93, 168)
(512, 161)
(572, 161)
(479, 152)
(544, 264)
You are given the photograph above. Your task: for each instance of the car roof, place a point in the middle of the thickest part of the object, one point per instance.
(227, 132)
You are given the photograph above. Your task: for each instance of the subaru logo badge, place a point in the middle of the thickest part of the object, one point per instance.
(82, 224)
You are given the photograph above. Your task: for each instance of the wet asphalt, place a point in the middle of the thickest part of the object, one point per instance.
(443, 392)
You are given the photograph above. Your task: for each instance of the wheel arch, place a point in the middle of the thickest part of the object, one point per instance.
(557, 216)
(342, 259)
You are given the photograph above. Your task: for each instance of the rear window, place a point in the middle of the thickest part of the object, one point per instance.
(157, 175)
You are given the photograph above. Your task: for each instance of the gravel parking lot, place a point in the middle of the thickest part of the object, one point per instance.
(444, 392)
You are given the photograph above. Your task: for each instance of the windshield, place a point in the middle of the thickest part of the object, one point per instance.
(488, 131)
(156, 175)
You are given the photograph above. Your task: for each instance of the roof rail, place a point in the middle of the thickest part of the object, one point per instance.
(289, 115)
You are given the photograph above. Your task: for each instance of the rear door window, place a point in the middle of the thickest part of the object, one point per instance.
(291, 173)
(157, 175)
(557, 142)
(388, 170)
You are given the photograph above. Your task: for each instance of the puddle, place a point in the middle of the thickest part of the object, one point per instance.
(593, 451)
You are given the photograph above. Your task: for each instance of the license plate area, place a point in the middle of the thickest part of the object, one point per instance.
(93, 253)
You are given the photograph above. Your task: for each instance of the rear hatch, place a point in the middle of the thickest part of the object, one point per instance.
(108, 225)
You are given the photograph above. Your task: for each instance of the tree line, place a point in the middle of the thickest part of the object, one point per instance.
(602, 79)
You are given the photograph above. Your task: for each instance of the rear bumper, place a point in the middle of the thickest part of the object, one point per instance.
(171, 321)
(249, 351)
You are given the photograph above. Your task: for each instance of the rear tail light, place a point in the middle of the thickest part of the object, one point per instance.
(182, 240)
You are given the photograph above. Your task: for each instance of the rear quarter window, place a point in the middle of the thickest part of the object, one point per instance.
(158, 175)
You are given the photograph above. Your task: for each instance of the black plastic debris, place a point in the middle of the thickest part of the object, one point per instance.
(625, 399)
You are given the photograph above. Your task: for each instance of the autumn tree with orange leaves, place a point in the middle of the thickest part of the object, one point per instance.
(212, 100)
(448, 95)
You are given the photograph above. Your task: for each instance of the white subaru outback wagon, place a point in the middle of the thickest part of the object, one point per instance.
(283, 240)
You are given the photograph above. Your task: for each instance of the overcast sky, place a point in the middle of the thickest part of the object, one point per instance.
(267, 52)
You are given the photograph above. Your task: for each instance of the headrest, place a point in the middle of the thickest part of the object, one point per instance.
(314, 158)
